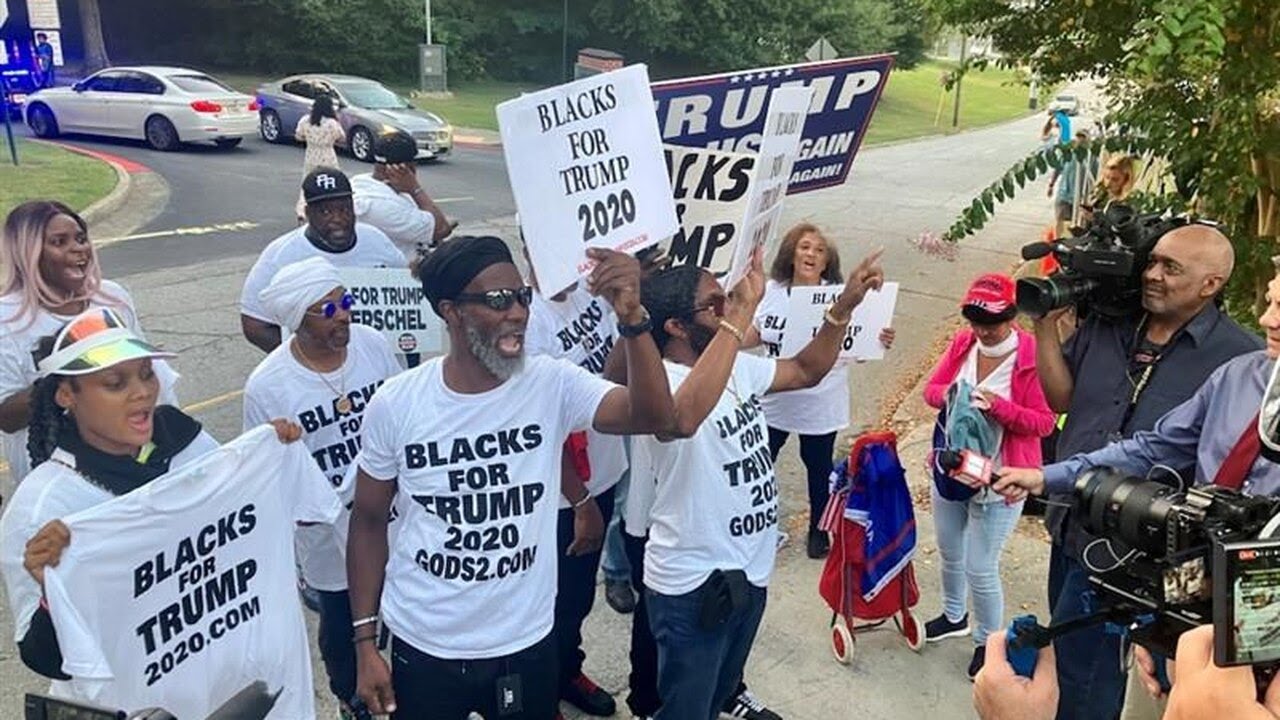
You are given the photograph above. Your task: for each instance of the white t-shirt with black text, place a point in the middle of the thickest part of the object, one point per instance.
(583, 330)
(472, 569)
(716, 506)
(821, 409)
(181, 593)
(372, 249)
(281, 387)
(18, 340)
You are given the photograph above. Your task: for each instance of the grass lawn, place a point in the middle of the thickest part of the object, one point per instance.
(906, 110)
(51, 173)
(910, 103)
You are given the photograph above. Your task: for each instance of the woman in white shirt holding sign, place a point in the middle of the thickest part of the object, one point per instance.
(816, 414)
(49, 273)
(97, 432)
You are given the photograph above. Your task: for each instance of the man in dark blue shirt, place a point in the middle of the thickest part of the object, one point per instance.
(1112, 379)
(44, 59)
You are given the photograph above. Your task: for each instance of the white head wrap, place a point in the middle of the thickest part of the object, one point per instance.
(297, 287)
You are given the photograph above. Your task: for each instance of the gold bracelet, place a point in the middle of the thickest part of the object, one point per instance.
(831, 319)
(726, 325)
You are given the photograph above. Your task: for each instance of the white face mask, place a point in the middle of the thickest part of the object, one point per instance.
(1000, 349)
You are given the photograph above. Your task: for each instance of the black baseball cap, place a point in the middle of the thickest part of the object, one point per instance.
(325, 183)
(394, 147)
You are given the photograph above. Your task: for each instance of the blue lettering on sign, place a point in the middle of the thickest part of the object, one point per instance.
(727, 112)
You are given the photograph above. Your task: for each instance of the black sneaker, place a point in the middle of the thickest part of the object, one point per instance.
(588, 697)
(979, 659)
(749, 707)
(620, 596)
(818, 544)
(940, 628)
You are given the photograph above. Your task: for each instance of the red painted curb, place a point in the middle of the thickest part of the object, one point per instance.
(128, 165)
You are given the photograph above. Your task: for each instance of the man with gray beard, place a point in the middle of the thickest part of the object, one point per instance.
(472, 444)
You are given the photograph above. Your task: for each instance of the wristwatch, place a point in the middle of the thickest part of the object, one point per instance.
(640, 328)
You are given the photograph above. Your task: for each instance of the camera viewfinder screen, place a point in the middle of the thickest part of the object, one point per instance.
(1253, 580)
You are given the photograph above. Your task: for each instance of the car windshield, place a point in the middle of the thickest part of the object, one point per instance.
(371, 96)
(1066, 98)
(195, 83)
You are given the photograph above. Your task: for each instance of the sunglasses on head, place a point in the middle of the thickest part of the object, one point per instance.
(501, 299)
(715, 304)
(330, 308)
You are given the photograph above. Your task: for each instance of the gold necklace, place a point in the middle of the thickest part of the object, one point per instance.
(343, 404)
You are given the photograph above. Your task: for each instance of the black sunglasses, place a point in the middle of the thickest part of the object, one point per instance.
(715, 304)
(499, 300)
(330, 308)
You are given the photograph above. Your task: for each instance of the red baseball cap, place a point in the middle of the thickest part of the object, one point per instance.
(992, 293)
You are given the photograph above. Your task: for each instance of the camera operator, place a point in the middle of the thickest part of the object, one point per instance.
(1130, 371)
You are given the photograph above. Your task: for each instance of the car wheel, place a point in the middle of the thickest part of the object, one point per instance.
(161, 134)
(361, 144)
(227, 143)
(270, 127)
(42, 121)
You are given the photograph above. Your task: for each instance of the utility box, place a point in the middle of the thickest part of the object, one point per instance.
(593, 61)
(432, 68)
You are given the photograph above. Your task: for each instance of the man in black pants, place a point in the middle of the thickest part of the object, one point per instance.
(473, 443)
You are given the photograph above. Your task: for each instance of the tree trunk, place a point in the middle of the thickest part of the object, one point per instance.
(95, 46)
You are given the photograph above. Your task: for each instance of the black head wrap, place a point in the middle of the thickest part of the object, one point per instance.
(448, 270)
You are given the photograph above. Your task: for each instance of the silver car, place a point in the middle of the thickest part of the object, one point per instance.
(365, 108)
(166, 106)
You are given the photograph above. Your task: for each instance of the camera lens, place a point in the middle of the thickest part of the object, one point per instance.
(1129, 509)
(1038, 297)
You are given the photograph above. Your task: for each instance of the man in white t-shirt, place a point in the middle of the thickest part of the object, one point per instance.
(472, 442)
(714, 518)
(322, 379)
(392, 200)
(580, 328)
(331, 232)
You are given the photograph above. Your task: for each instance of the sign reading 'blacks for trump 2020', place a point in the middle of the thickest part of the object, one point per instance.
(727, 112)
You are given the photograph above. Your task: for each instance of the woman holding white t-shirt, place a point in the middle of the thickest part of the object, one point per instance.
(97, 432)
(816, 414)
(50, 274)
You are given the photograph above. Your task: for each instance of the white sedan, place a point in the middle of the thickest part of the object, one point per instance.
(165, 106)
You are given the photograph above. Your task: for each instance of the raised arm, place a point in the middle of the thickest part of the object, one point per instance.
(644, 406)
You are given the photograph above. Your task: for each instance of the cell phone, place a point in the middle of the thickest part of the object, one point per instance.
(43, 707)
(1246, 602)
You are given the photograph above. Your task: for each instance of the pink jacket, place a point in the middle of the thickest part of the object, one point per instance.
(1025, 417)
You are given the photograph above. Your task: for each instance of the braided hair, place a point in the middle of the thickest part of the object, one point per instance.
(669, 294)
(47, 417)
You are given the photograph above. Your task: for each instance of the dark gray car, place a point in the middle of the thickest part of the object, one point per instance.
(365, 109)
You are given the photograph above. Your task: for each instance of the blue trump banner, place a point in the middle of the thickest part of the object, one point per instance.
(727, 112)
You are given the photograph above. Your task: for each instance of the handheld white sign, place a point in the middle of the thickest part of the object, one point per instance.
(587, 170)
(392, 302)
(712, 189)
(862, 340)
(784, 126)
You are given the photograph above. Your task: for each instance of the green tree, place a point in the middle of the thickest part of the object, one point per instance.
(1195, 82)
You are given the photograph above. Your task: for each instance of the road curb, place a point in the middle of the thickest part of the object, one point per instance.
(113, 201)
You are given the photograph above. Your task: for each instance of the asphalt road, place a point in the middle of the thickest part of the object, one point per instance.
(258, 183)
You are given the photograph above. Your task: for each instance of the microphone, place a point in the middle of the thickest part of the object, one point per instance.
(1035, 251)
(253, 702)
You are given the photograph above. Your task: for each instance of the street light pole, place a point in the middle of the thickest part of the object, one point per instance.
(428, 21)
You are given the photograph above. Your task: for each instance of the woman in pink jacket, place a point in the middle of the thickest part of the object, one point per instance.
(998, 361)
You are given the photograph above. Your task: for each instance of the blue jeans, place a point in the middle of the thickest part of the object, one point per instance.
(698, 670)
(1091, 676)
(614, 564)
(971, 534)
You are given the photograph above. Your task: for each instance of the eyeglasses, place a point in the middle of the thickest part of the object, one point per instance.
(715, 304)
(330, 308)
(499, 300)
